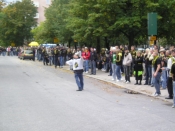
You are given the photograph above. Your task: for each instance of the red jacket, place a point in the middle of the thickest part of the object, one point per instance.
(86, 55)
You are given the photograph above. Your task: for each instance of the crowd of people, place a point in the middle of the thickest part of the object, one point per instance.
(9, 51)
(154, 65)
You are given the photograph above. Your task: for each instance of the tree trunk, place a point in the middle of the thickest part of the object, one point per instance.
(98, 45)
(106, 43)
(69, 42)
(75, 45)
(131, 41)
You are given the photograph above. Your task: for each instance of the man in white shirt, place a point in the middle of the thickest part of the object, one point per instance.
(77, 63)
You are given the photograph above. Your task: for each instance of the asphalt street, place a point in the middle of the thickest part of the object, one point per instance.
(34, 97)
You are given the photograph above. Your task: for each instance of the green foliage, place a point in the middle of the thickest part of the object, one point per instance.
(17, 22)
(40, 33)
(55, 21)
(98, 22)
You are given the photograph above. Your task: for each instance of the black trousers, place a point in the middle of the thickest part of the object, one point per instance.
(170, 86)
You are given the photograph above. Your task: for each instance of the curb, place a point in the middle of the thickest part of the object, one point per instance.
(119, 86)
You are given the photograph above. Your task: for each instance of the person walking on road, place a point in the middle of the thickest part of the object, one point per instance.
(77, 63)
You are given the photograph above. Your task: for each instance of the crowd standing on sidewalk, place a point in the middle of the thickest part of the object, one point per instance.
(154, 65)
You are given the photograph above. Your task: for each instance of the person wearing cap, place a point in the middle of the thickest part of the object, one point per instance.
(127, 65)
(77, 63)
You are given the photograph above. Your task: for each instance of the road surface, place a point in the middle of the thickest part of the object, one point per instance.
(34, 97)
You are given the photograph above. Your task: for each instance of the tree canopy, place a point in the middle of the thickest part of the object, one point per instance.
(17, 21)
(98, 23)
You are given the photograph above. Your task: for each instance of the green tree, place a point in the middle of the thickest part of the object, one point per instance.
(17, 22)
(56, 23)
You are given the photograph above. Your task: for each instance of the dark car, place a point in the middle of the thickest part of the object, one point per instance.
(26, 54)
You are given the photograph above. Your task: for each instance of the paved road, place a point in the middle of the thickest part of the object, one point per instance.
(34, 97)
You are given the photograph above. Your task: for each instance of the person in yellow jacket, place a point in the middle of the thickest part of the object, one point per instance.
(118, 64)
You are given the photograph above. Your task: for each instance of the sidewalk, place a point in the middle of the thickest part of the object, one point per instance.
(143, 89)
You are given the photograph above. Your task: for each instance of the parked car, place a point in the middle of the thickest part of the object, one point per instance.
(26, 54)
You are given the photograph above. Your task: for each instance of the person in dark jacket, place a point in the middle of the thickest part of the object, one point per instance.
(93, 58)
(45, 57)
(56, 55)
(61, 57)
(138, 68)
(148, 67)
(118, 64)
(33, 54)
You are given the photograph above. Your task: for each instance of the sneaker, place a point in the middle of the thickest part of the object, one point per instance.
(156, 94)
(127, 82)
(162, 88)
(173, 106)
(86, 71)
(121, 79)
(118, 80)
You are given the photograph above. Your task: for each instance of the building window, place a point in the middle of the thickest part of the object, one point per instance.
(48, 2)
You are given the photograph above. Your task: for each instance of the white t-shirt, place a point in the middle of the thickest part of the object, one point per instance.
(169, 64)
(76, 63)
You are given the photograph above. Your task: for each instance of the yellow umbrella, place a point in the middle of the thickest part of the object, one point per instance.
(33, 44)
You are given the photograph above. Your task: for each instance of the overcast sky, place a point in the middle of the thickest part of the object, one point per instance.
(10, 0)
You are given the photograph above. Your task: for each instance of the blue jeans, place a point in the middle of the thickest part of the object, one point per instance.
(79, 80)
(118, 72)
(153, 78)
(164, 79)
(157, 83)
(114, 71)
(148, 74)
(44, 60)
(93, 67)
(86, 65)
(11, 53)
(61, 60)
(110, 71)
(40, 57)
(51, 60)
(127, 73)
(174, 93)
(56, 61)
(53, 57)
(3, 53)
